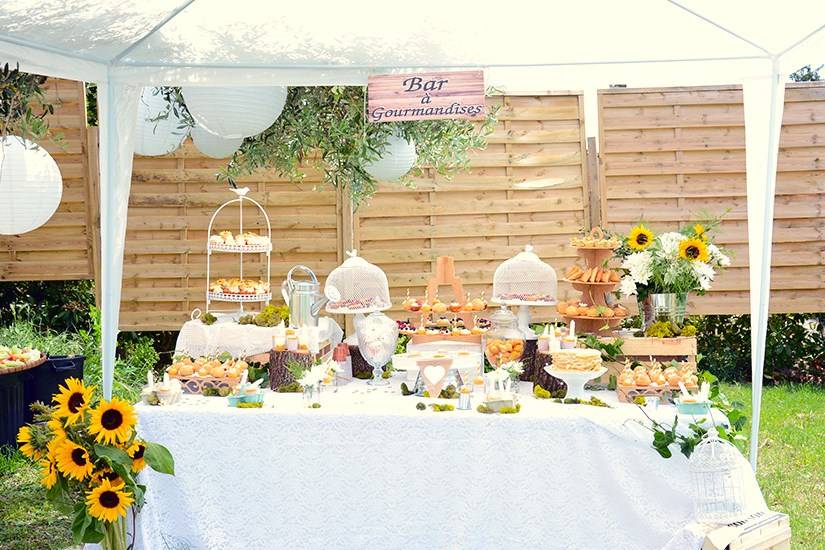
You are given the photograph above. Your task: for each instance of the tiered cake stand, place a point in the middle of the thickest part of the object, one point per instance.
(240, 250)
(594, 294)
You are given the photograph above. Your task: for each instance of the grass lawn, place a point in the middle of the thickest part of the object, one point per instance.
(791, 473)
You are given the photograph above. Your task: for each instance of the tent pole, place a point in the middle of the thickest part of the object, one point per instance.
(117, 118)
(764, 103)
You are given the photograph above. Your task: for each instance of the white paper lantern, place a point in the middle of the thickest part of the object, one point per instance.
(30, 185)
(398, 158)
(158, 137)
(235, 112)
(214, 146)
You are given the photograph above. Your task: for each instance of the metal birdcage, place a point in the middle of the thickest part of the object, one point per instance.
(718, 471)
(357, 286)
(525, 280)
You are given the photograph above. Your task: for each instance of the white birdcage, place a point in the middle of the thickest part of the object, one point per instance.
(525, 280)
(357, 286)
(718, 471)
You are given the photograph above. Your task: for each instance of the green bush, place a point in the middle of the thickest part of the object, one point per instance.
(56, 305)
(794, 351)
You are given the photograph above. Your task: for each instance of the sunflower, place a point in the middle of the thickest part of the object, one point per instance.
(74, 461)
(112, 421)
(24, 437)
(108, 501)
(700, 232)
(694, 249)
(48, 472)
(136, 453)
(55, 424)
(73, 400)
(640, 237)
(105, 474)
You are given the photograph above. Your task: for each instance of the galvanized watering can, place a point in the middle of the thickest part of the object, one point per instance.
(303, 297)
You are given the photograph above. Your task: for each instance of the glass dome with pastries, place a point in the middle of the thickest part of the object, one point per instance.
(525, 279)
(357, 286)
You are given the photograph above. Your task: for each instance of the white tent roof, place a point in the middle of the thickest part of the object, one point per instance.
(123, 45)
(340, 42)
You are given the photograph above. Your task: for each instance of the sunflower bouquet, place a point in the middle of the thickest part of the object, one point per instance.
(90, 455)
(676, 262)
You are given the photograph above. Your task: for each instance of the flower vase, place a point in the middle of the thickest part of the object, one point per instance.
(669, 307)
(114, 535)
(646, 312)
(312, 394)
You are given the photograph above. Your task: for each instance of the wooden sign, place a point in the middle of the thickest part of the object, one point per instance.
(425, 96)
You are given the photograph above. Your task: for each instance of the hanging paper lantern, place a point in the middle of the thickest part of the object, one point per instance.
(398, 158)
(156, 137)
(214, 146)
(30, 185)
(235, 112)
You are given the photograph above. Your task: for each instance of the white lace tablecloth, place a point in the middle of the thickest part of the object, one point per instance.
(368, 470)
(196, 339)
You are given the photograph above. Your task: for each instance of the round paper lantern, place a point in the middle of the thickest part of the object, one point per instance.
(214, 146)
(398, 158)
(30, 185)
(158, 137)
(235, 112)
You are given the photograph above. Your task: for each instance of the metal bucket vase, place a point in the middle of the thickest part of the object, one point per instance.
(669, 307)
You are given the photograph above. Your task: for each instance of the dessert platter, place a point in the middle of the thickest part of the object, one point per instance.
(225, 241)
(525, 280)
(200, 373)
(575, 367)
(238, 289)
(655, 380)
(457, 320)
(595, 281)
(356, 286)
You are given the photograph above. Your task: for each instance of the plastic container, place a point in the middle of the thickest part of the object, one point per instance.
(12, 406)
(696, 407)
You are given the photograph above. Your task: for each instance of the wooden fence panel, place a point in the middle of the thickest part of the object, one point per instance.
(172, 200)
(60, 249)
(669, 154)
(527, 187)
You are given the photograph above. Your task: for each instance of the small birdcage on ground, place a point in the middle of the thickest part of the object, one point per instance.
(357, 286)
(718, 471)
(525, 280)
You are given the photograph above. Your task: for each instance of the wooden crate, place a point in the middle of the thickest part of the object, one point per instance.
(770, 531)
(644, 349)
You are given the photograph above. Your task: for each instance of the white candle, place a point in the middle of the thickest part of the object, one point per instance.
(572, 328)
(150, 379)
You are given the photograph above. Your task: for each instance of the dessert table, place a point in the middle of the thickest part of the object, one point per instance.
(368, 470)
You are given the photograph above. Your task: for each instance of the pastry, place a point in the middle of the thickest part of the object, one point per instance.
(577, 359)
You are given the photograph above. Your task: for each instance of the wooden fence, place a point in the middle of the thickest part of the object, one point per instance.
(63, 247)
(668, 155)
(527, 187)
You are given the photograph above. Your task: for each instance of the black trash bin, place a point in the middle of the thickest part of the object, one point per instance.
(12, 406)
(43, 382)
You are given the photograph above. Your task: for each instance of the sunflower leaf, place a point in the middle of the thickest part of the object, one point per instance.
(93, 532)
(159, 459)
(113, 455)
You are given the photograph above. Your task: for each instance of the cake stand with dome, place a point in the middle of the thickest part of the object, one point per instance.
(258, 244)
(525, 280)
(357, 287)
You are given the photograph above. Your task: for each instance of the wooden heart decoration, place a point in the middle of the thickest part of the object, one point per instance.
(434, 373)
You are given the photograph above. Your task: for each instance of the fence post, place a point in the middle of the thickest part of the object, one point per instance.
(593, 187)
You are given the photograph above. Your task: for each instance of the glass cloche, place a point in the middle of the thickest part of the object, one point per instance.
(525, 280)
(504, 341)
(357, 286)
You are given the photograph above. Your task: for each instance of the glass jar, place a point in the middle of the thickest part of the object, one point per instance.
(504, 341)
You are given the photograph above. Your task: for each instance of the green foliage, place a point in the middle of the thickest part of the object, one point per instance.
(665, 435)
(208, 319)
(23, 106)
(437, 407)
(58, 305)
(610, 350)
(270, 316)
(807, 74)
(421, 406)
(326, 128)
(795, 347)
(292, 387)
(541, 393)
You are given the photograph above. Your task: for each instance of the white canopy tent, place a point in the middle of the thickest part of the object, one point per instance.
(123, 46)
